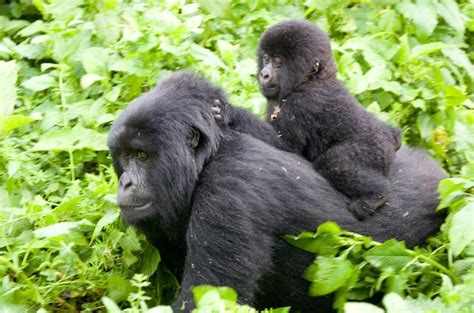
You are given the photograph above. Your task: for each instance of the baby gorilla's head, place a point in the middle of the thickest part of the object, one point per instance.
(290, 53)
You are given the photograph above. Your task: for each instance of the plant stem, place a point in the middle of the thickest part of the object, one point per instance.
(65, 124)
(439, 266)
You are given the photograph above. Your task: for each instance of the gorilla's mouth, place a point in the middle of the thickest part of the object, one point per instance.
(135, 207)
(270, 91)
(271, 88)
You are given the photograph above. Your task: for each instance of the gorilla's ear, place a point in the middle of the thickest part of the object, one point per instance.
(194, 138)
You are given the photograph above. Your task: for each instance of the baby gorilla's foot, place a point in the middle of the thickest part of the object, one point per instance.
(217, 110)
(364, 207)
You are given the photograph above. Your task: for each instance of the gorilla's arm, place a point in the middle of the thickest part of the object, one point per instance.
(220, 249)
(245, 122)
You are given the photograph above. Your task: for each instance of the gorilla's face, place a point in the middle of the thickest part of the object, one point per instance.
(156, 167)
(159, 145)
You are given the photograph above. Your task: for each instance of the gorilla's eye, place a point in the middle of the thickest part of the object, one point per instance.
(277, 62)
(193, 138)
(142, 156)
(266, 59)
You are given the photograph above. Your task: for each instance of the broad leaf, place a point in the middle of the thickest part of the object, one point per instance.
(327, 274)
(40, 82)
(461, 230)
(422, 13)
(72, 139)
(389, 256)
(8, 76)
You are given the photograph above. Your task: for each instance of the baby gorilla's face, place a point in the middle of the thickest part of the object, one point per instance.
(269, 75)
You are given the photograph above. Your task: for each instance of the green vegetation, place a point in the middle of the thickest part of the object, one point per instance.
(68, 67)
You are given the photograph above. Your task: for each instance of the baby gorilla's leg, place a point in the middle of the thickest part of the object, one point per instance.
(366, 205)
(348, 169)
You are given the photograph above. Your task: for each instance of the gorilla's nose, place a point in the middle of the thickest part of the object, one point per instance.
(265, 77)
(125, 181)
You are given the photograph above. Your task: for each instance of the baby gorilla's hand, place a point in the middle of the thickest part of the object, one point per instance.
(218, 112)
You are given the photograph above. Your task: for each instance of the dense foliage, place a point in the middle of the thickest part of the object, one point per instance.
(68, 67)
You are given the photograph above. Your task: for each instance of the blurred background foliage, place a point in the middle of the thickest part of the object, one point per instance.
(67, 68)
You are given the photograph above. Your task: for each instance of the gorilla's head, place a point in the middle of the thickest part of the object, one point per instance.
(159, 145)
(290, 53)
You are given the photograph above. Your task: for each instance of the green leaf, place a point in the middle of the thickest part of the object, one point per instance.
(47, 66)
(224, 293)
(461, 59)
(110, 305)
(108, 218)
(207, 56)
(13, 122)
(220, 10)
(131, 31)
(33, 28)
(132, 66)
(160, 309)
(324, 242)
(422, 13)
(118, 287)
(107, 27)
(419, 103)
(361, 307)
(89, 79)
(373, 58)
(227, 51)
(454, 96)
(327, 274)
(422, 50)
(461, 230)
(193, 24)
(392, 255)
(403, 53)
(95, 60)
(129, 258)
(8, 76)
(55, 229)
(449, 11)
(426, 125)
(40, 82)
(330, 228)
(72, 139)
(150, 260)
(396, 304)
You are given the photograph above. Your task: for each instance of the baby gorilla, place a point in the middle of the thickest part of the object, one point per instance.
(316, 116)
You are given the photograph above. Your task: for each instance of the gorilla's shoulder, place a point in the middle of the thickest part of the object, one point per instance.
(246, 157)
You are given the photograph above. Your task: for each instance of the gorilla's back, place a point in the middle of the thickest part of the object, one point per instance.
(286, 184)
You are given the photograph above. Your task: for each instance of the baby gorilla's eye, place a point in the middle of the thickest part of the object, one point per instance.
(141, 155)
(266, 59)
(277, 62)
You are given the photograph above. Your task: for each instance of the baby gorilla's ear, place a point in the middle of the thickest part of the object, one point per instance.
(194, 138)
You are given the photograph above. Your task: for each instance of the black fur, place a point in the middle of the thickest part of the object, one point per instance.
(219, 208)
(318, 118)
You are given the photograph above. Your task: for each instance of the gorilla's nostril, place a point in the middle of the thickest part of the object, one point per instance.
(265, 75)
(125, 181)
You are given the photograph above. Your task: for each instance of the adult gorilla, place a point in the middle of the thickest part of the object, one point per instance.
(216, 202)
